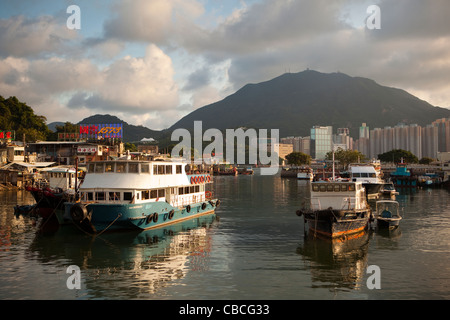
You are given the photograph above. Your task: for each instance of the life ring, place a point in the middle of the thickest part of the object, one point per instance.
(202, 179)
(171, 213)
(192, 180)
(203, 206)
(149, 218)
(208, 194)
(188, 208)
(208, 178)
(155, 217)
(78, 212)
(196, 180)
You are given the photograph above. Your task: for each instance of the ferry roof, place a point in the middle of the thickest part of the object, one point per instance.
(368, 168)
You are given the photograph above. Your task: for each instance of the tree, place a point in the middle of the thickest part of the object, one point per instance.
(397, 155)
(298, 158)
(18, 116)
(345, 157)
(426, 160)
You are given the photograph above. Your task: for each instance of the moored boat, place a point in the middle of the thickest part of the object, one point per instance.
(305, 174)
(387, 214)
(370, 175)
(402, 177)
(56, 187)
(130, 194)
(388, 190)
(337, 208)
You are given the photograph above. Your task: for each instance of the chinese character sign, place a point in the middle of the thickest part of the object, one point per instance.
(96, 131)
(8, 135)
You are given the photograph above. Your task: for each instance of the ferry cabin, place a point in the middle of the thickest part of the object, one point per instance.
(114, 182)
(338, 196)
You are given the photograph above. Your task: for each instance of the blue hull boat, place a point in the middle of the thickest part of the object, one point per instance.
(131, 194)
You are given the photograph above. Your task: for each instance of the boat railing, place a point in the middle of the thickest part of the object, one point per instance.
(348, 203)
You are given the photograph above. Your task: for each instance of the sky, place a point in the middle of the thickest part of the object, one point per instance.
(151, 62)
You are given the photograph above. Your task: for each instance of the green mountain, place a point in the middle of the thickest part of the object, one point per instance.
(295, 102)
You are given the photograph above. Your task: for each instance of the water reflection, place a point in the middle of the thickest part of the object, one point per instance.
(336, 263)
(137, 263)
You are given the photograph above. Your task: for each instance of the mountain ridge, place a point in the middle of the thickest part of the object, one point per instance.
(295, 102)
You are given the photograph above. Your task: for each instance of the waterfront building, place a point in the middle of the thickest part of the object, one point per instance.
(401, 136)
(430, 141)
(299, 144)
(364, 131)
(443, 126)
(321, 141)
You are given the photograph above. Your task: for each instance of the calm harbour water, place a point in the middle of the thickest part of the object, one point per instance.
(253, 248)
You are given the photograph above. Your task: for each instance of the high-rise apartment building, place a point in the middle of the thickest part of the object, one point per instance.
(321, 141)
(443, 126)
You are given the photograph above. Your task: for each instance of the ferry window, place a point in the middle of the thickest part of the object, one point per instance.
(109, 167)
(155, 169)
(323, 188)
(121, 168)
(168, 169)
(99, 168)
(178, 168)
(90, 196)
(337, 188)
(186, 190)
(91, 167)
(145, 195)
(100, 196)
(356, 175)
(161, 193)
(114, 196)
(192, 189)
(372, 175)
(315, 188)
(160, 169)
(364, 174)
(133, 168)
(153, 194)
(180, 190)
(197, 188)
(351, 187)
(145, 168)
(344, 187)
(330, 187)
(127, 196)
(138, 195)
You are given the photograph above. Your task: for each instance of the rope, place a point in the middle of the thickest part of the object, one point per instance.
(118, 216)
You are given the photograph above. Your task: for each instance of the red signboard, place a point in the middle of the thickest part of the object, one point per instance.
(101, 130)
(8, 135)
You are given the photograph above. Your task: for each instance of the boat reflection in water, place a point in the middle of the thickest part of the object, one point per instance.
(336, 263)
(146, 260)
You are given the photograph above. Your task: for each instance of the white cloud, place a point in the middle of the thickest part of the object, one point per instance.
(24, 37)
